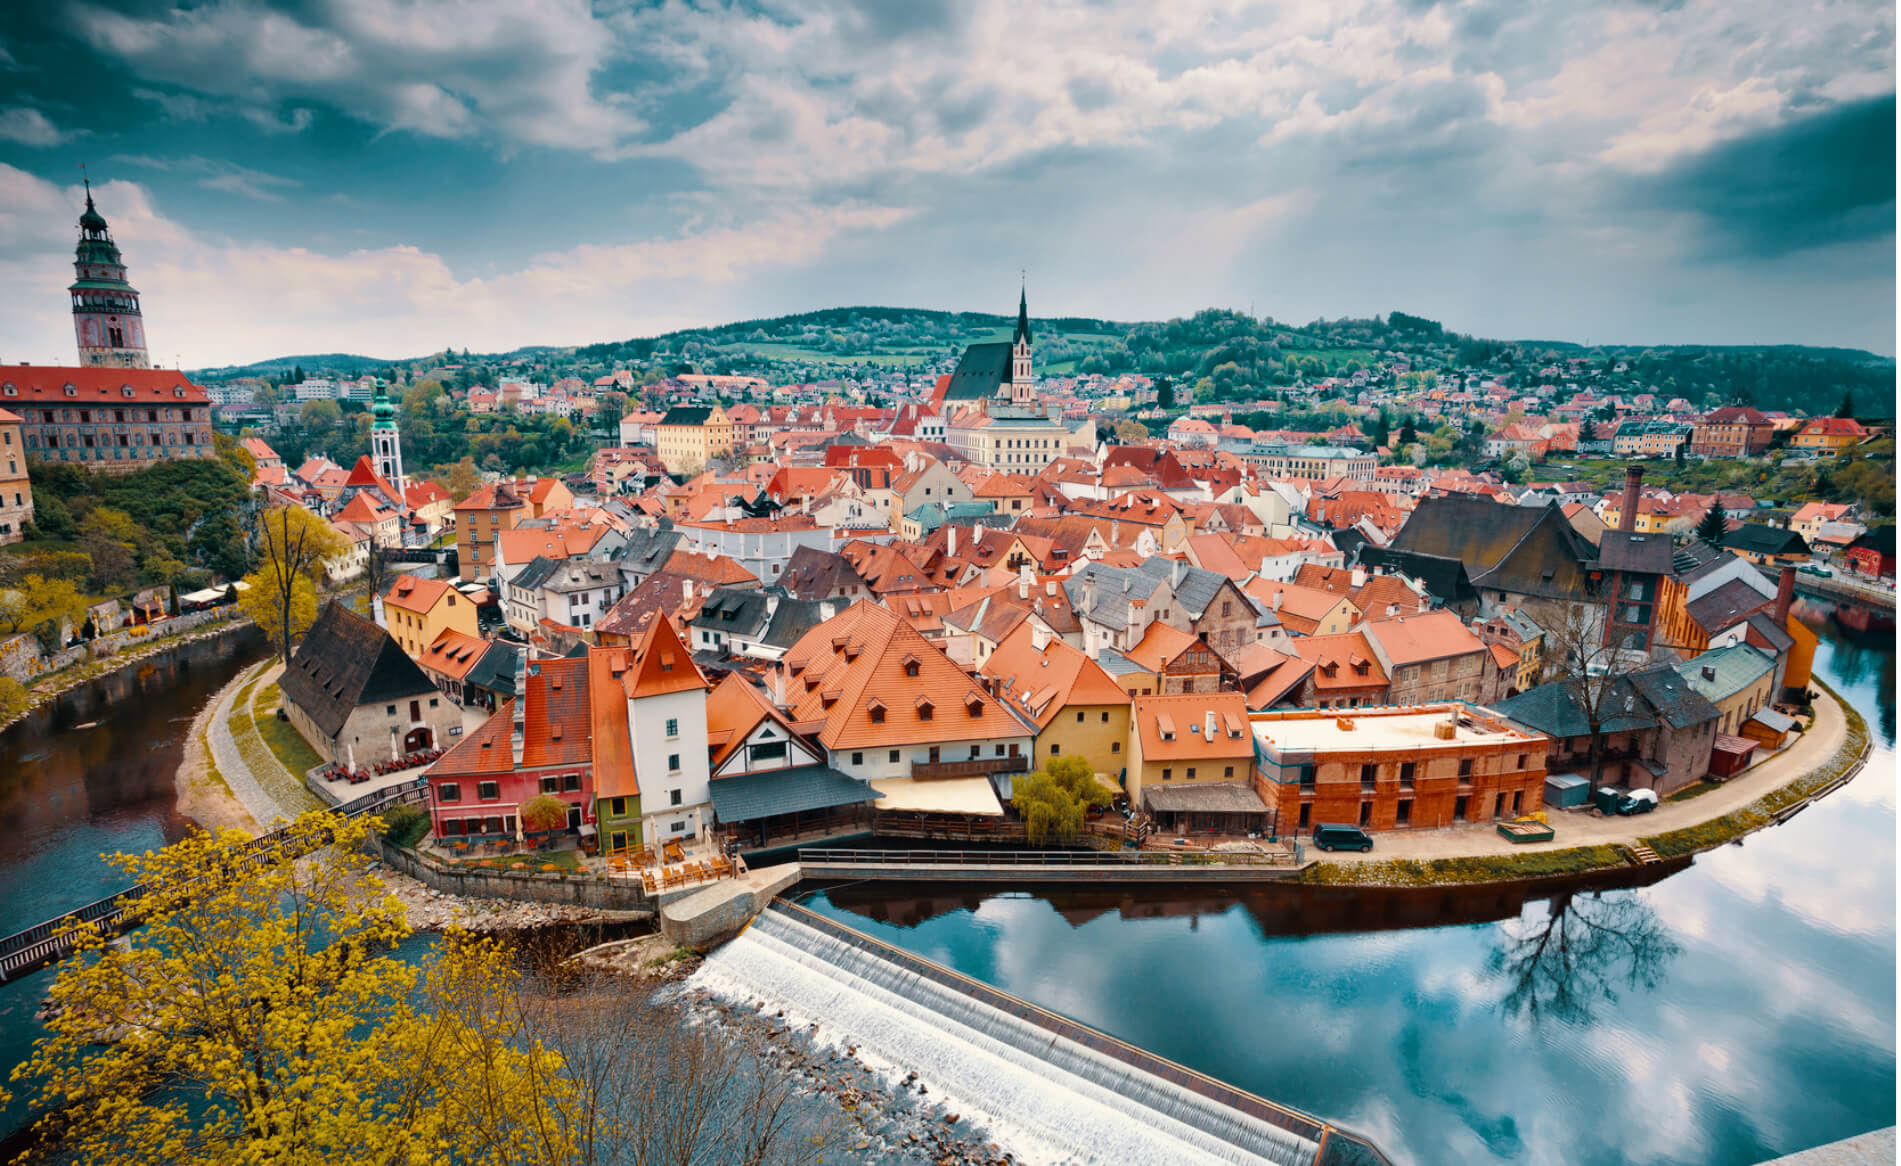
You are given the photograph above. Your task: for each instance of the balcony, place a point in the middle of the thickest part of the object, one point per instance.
(973, 767)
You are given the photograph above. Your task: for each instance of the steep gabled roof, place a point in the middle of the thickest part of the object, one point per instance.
(345, 662)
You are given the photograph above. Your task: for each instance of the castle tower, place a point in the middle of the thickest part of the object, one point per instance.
(106, 319)
(1022, 385)
(386, 446)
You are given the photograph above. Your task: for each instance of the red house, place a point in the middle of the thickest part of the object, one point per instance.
(477, 788)
(1872, 554)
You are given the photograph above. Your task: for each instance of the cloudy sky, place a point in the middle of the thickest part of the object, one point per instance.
(391, 177)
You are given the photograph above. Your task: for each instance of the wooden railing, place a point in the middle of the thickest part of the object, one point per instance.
(974, 767)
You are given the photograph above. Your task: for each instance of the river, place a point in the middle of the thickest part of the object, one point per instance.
(1737, 1009)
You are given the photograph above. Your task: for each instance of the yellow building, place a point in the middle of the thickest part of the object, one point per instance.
(1830, 435)
(16, 496)
(1078, 710)
(688, 438)
(416, 611)
(493, 509)
(1200, 738)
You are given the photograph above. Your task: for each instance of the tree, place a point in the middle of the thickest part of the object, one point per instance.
(1131, 431)
(1713, 525)
(113, 540)
(258, 1015)
(1586, 949)
(1847, 407)
(1055, 800)
(1587, 430)
(14, 698)
(1590, 668)
(1165, 393)
(1408, 434)
(48, 607)
(320, 417)
(544, 812)
(463, 479)
(292, 546)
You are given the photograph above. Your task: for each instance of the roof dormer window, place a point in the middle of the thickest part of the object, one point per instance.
(912, 666)
(127, 391)
(925, 709)
(876, 710)
(71, 391)
(178, 390)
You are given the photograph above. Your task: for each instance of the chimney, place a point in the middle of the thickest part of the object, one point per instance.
(1039, 635)
(1275, 601)
(950, 540)
(1785, 595)
(1358, 577)
(1627, 512)
(517, 728)
(1208, 725)
(1709, 672)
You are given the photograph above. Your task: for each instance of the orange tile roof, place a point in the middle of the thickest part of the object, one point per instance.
(555, 729)
(614, 775)
(733, 710)
(1159, 645)
(453, 653)
(1041, 684)
(486, 750)
(1171, 727)
(366, 510)
(859, 665)
(409, 593)
(40, 384)
(1340, 661)
(713, 570)
(1415, 639)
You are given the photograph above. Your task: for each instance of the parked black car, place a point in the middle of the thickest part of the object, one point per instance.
(1332, 836)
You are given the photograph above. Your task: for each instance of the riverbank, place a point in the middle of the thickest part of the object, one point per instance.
(52, 685)
(1834, 746)
(204, 796)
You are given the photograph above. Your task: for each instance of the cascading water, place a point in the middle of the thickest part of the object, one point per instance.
(1043, 1094)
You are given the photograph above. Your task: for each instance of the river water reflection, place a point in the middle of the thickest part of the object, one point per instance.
(1732, 1011)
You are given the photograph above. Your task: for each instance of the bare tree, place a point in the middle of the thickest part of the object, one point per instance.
(653, 1087)
(1587, 949)
(1592, 670)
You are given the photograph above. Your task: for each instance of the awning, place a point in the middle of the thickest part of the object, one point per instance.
(786, 791)
(1220, 798)
(956, 795)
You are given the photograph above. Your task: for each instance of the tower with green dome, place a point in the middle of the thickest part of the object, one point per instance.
(386, 446)
(106, 318)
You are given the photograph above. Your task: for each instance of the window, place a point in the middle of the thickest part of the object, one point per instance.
(1168, 774)
(894, 757)
(673, 727)
(926, 710)
(1115, 746)
(1079, 718)
(857, 758)
(449, 792)
(1458, 809)
(673, 797)
(1524, 760)
(1369, 774)
(488, 791)
(618, 807)
(673, 763)
(432, 702)
(1228, 772)
(1105, 718)
(389, 710)
(1406, 775)
(877, 714)
(1518, 801)
(1306, 774)
(1465, 767)
(1406, 812)
(570, 782)
(550, 784)
(1366, 814)
(1191, 773)
(678, 827)
(1056, 750)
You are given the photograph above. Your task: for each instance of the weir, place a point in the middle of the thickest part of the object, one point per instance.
(1050, 1087)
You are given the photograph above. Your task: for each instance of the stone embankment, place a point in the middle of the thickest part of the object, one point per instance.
(432, 910)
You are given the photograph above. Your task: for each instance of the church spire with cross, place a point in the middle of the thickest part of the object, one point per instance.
(1022, 384)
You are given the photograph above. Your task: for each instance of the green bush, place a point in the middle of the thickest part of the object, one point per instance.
(405, 824)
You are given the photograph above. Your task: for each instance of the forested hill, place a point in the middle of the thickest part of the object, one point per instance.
(1215, 354)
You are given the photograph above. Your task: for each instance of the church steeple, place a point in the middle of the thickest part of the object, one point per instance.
(1022, 384)
(106, 319)
(386, 442)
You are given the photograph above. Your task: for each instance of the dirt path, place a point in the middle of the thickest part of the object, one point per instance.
(1575, 828)
(203, 795)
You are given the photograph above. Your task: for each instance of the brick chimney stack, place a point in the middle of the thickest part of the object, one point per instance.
(1785, 595)
(1633, 490)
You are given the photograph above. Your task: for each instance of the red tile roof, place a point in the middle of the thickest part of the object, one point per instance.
(38, 384)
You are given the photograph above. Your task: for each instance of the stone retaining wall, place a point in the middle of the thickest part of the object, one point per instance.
(573, 889)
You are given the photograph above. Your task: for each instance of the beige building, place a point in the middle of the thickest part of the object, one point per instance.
(688, 438)
(997, 437)
(16, 495)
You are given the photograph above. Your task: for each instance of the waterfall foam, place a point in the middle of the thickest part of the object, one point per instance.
(1048, 1096)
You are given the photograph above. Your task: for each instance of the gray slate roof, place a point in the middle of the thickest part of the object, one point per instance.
(786, 791)
(984, 369)
(1730, 670)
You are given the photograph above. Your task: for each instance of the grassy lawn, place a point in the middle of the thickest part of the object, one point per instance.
(1692, 790)
(284, 785)
(282, 737)
(1407, 872)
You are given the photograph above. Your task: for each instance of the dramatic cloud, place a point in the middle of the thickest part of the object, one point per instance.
(1702, 170)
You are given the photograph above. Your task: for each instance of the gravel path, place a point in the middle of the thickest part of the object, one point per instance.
(231, 763)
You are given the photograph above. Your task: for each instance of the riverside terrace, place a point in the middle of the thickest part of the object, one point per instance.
(1383, 768)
